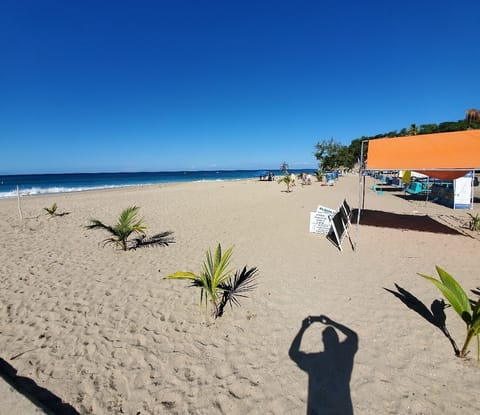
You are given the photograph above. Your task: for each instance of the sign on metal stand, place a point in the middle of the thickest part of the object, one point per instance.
(340, 223)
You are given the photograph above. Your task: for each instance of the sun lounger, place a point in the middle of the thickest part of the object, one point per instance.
(417, 188)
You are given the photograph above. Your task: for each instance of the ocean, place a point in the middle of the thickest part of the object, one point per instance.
(35, 184)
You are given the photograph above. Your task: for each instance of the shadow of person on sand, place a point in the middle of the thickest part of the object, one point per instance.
(329, 371)
(41, 397)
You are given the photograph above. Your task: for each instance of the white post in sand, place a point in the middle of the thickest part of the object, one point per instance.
(18, 204)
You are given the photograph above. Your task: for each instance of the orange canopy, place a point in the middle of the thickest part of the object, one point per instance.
(442, 155)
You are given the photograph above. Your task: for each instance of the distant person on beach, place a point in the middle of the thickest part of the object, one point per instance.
(306, 178)
(329, 371)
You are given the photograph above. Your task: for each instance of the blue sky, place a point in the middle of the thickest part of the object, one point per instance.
(90, 86)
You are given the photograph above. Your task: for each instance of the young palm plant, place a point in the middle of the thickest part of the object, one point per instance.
(469, 311)
(287, 179)
(130, 223)
(474, 223)
(52, 211)
(216, 282)
(319, 175)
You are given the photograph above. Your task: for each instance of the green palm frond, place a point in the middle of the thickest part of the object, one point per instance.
(456, 296)
(216, 266)
(453, 292)
(129, 221)
(215, 270)
(182, 275)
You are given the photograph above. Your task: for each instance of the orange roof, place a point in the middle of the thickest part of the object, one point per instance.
(459, 150)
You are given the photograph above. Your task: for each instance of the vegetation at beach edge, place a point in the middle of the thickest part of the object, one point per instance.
(217, 282)
(130, 223)
(468, 310)
(331, 154)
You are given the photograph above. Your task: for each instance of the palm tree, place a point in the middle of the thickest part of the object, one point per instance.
(216, 282)
(413, 130)
(472, 116)
(130, 223)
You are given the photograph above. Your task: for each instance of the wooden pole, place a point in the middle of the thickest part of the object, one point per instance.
(18, 204)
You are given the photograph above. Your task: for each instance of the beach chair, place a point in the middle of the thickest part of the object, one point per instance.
(417, 188)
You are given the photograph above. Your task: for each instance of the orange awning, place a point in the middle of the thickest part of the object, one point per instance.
(443, 155)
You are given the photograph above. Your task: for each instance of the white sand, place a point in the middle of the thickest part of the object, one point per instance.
(103, 330)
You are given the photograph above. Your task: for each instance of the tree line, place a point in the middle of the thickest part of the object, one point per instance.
(333, 155)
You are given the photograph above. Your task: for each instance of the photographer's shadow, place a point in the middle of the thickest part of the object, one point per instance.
(329, 371)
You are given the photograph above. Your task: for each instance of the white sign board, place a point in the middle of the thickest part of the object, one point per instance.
(463, 192)
(320, 221)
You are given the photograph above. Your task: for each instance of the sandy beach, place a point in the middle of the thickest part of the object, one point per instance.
(102, 330)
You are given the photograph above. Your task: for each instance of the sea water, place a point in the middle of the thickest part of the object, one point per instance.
(35, 184)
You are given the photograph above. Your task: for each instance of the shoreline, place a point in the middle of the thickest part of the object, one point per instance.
(66, 183)
(120, 187)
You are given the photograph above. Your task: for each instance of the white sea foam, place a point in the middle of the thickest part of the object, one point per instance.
(33, 191)
(40, 190)
(220, 180)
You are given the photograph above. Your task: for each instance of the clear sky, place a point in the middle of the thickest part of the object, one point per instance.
(90, 86)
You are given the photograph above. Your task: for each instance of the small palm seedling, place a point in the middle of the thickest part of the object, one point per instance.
(52, 211)
(216, 282)
(130, 223)
(288, 180)
(469, 311)
(319, 175)
(474, 223)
